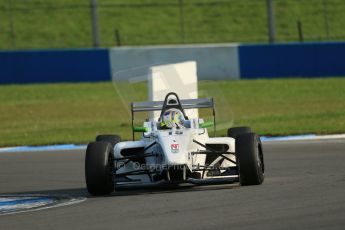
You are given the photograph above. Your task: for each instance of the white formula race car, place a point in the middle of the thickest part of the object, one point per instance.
(173, 150)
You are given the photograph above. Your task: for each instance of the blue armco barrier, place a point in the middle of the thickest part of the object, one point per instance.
(247, 61)
(292, 60)
(43, 66)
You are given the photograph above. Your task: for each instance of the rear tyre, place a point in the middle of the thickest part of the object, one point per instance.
(99, 168)
(236, 131)
(250, 158)
(112, 139)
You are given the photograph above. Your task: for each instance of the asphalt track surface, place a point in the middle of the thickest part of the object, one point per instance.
(304, 188)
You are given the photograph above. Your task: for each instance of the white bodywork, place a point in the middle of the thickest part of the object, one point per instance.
(167, 148)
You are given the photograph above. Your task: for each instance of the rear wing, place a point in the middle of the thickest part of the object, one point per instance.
(185, 104)
(158, 105)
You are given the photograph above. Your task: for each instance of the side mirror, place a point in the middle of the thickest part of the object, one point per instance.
(140, 129)
(206, 124)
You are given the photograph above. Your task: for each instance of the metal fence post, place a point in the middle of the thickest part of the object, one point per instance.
(117, 37)
(325, 13)
(300, 31)
(271, 21)
(95, 28)
(181, 3)
(12, 32)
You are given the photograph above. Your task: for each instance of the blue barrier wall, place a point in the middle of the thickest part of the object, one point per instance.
(247, 61)
(54, 66)
(289, 60)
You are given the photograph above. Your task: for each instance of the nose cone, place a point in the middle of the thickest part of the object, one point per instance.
(174, 149)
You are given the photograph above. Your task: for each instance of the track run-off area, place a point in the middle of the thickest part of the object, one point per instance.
(304, 188)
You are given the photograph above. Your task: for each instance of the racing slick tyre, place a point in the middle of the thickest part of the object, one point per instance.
(112, 139)
(250, 159)
(235, 131)
(99, 168)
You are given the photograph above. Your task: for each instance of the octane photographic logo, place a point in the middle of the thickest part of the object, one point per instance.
(162, 167)
(136, 84)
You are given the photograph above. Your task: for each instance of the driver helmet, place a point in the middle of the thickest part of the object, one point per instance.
(172, 118)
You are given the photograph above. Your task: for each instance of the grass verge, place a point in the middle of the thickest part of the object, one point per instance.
(41, 114)
(67, 23)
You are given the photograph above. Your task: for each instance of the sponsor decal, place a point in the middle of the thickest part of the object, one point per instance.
(175, 148)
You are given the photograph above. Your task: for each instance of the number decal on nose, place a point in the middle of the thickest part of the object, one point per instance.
(175, 148)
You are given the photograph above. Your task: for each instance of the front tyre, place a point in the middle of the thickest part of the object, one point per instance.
(236, 131)
(99, 168)
(112, 139)
(250, 158)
